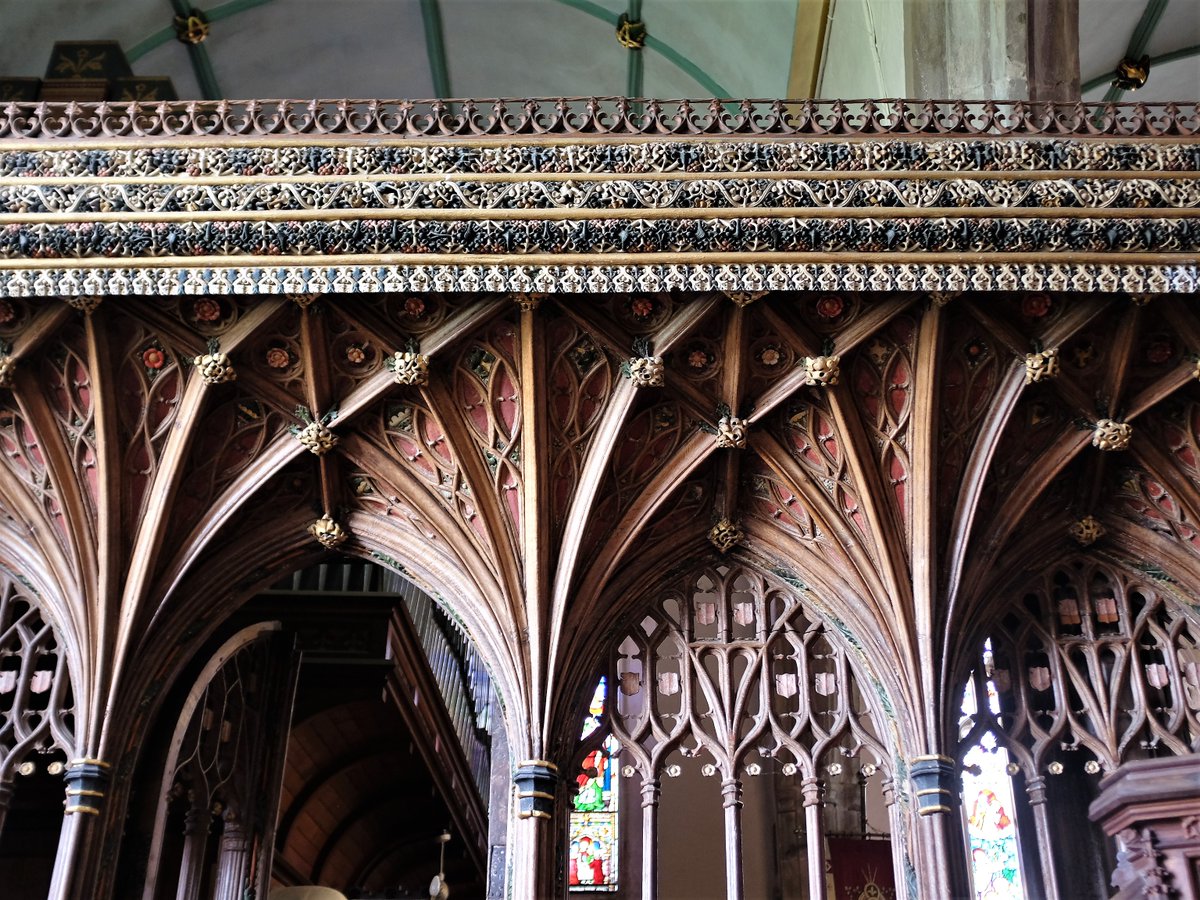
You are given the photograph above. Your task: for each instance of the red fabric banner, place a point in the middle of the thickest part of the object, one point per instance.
(861, 869)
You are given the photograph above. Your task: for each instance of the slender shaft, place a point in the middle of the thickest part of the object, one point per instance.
(731, 793)
(814, 834)
(1036, 789)
(651, 793)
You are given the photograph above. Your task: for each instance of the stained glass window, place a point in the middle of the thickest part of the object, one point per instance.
(988, 802)
(592, 865)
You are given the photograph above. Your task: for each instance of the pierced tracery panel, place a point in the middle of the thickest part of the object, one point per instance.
(36, 702)
(1094, 660)
(727, 666)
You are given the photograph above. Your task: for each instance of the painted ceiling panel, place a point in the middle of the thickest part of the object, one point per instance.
(314, 48)
(530, 48)
(743, 45)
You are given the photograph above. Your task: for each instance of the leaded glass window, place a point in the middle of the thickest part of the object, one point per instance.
(988, 805)
(592, 865)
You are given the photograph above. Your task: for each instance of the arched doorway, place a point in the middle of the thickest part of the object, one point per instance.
(331, 733)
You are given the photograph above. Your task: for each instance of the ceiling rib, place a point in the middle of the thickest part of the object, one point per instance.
(664, 49)
(1138, 41)
(216, 14)
(201, 64)
(634, 78)
(1160, 60)
(435, 48)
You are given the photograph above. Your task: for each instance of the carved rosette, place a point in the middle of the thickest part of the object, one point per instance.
(328, 532)
(409, 368)
(822, 370)
(215, 368)
(1111, 435)
(8, 366)
(86, 303)
(1087, 531)
(725, 535)
(317, 438)
(731, 433)
(1041, 366)
(647, 371)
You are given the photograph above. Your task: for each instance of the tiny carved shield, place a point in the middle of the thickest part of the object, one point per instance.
(743, 613)
(1191, 674)
(1156, 674)
(41, 681)
(1039, 678)
(785, 685)
(631, 683)
(668, 683)
(825, 683)
(8, 681)
(706, 613)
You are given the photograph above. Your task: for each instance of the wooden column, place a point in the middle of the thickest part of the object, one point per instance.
(196, 825)
(1053, 29)
(233, 859)
(533, 837)
(6, 793)
(814, 834)
(87, 784)
(1036, 789)
(942, 869)
(731, 794)
(1152, 808)
(651, 794)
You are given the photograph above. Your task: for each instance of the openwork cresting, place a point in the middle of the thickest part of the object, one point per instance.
(595, 115)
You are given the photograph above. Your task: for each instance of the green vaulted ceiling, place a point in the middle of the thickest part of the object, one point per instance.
(512, 48)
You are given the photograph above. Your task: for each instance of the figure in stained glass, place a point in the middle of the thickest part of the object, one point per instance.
(593, 819)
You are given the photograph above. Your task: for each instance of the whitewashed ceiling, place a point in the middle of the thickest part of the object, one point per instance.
(514, 48)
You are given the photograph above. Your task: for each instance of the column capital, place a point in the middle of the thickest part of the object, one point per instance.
(536, 780)
(87, 781)
(935, 783)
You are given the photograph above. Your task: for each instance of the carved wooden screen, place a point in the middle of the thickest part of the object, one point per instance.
(733, 672)
(1091, 667)
(36, 703)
